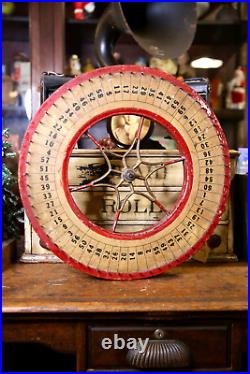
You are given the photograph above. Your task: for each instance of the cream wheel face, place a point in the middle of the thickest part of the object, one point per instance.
(51, 199)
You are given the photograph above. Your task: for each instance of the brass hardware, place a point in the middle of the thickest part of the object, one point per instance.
(160, 354)
(159, 334)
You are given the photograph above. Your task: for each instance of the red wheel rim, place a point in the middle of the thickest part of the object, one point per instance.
(182, 199)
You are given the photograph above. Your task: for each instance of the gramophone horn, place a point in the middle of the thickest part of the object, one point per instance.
(164, 30)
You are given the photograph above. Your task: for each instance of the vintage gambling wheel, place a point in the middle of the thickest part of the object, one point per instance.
(72, 111)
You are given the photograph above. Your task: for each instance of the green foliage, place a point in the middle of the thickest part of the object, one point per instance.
(12, 214)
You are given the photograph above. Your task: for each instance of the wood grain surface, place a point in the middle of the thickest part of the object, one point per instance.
(57, 288)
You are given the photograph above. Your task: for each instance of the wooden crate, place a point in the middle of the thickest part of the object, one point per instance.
(99, 204)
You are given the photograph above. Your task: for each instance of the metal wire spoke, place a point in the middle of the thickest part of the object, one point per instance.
(138, 136)
(120, 206)
(117, 215)
(81, 188)
(166, 163)
(152, 197)
(92, 183)
(163, 165)
(120, 203)
(116, 171)
(112, 153)
(118, 197)
(95, 141)
(136, 139)
(138, 132)
(161, 206)
(127, 153)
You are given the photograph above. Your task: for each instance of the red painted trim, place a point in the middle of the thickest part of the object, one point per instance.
(24, 189)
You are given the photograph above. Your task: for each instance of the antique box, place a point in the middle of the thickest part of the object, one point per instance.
(98, 204)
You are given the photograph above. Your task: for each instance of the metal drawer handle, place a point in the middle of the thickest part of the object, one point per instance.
(160, 354)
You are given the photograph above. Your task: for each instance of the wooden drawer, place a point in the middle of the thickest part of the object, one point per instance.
(209, 345)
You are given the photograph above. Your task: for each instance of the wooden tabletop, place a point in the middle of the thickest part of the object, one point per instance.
(49, 288)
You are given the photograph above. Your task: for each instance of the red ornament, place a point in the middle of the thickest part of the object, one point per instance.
(80, 7)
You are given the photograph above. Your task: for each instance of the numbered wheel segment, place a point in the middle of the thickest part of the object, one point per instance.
(51, 197)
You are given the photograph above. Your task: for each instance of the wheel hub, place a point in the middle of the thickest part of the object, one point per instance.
(128, 175)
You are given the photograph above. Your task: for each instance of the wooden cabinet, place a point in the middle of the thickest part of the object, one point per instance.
(53, 306)
(49, 35)
(54, 317)
(33, 33)
(194, 334)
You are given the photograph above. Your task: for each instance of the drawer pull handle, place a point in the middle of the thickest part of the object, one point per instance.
(160, 354)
